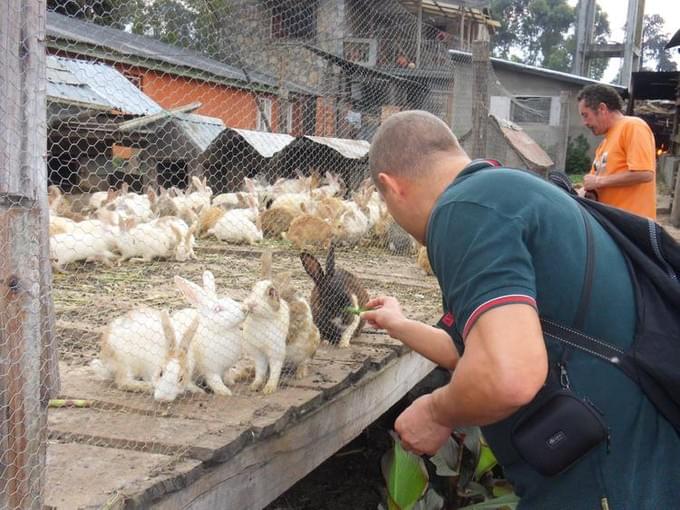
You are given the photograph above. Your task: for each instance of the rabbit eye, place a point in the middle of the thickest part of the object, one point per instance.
(160, 374)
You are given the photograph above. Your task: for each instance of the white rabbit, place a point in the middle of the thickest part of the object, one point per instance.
(60, 225)
(94, 243)
(196, 200)
(297, 203)
(235, 226)
(265, 329)
(352, 225)
(140, 352)
(217, 343)
(101, 198)
(331, 189)
(162, 238)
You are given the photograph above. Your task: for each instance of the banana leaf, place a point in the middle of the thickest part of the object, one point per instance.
(487, 460)
(406, 477)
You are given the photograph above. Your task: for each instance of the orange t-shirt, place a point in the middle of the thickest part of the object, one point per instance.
(628, 145)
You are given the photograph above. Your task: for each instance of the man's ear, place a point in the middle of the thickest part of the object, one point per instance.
(390, 184)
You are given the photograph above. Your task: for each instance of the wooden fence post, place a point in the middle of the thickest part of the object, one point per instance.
(561, 159)
(480, 97)
(28, 355)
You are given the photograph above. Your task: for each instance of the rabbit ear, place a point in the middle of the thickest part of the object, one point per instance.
(188, 335)
(169, 332)
(266, 271)
(196, 182)
(312, 267)
(330, 260)
(192, 292)
(209, 282)
(151, 194)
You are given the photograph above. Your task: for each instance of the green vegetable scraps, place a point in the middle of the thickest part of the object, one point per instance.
(357, 310)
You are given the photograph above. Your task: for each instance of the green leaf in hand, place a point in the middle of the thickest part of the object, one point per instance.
(406, 477)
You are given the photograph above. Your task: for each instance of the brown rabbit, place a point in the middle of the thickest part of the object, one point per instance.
(334, 291)
(303, 336)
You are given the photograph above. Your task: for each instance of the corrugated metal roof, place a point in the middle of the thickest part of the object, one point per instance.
(98, 85)
(466, 57)
(523, 143)
(352, 149)
(201, 130)
(63, 85)
(266, 144)
(125, 43)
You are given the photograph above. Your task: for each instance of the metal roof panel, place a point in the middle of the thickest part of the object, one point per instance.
(352, 149)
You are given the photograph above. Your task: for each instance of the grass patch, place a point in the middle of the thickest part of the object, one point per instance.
(576, 178)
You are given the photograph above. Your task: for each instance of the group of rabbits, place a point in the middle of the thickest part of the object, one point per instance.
(123, 225)
(153, 351)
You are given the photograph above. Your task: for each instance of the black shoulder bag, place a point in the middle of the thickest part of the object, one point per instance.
(558, 428)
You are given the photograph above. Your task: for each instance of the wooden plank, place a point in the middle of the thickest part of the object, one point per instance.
(264, 470)
(86, 476)
(167, 435)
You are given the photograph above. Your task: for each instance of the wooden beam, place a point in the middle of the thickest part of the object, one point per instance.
(611, 50)
(480, 97)
(266, 469)
(28, 375)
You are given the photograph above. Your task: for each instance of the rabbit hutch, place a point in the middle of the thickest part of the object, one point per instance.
(512, 146)
(238, 153)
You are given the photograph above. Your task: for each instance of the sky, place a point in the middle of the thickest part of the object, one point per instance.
(617, 11)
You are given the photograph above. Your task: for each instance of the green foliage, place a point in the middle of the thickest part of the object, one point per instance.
(653, 41)
(578, 161)
(406, 477)
(463, 472)
(193, 24)
(542, 32)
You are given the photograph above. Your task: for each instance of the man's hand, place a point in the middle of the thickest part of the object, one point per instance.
(386, 314)
(418, 430)
(591, 182)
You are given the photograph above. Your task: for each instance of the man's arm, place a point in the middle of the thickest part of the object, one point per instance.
(627, 178)
(433, 343)
(505, 364)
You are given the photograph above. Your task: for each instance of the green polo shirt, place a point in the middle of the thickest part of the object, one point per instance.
(499, 236)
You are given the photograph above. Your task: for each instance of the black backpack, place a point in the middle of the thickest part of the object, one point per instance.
(653, 259)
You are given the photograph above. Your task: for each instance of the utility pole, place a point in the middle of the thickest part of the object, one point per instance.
(630, 50)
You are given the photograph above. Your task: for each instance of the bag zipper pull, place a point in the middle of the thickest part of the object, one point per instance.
(564, 377)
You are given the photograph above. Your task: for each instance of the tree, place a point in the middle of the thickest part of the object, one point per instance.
(115, 13)
(653, 41)
(542, 31)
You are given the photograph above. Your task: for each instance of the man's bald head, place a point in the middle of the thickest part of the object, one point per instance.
(407, 144)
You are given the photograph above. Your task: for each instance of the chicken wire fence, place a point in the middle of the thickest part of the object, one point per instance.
(210, 208)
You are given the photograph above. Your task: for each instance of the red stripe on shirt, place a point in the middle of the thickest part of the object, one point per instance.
(492, 303)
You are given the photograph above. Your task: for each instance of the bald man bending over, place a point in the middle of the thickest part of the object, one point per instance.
(505, 246)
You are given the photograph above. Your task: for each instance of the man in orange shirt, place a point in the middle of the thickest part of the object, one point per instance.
(623, 172)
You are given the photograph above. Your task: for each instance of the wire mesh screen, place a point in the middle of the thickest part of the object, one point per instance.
(212, 223)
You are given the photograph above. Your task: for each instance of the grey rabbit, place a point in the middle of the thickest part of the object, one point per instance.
(334, 291)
